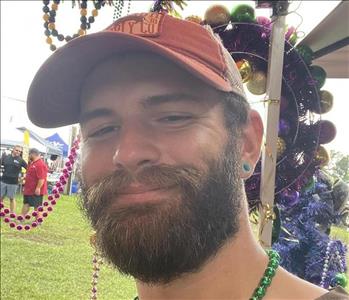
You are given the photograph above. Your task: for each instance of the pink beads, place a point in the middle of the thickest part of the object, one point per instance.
(12, 215)
(45, 203)
(53, 202)
(12, 224)
(7, 220)
(34, 213)
(6, 211)
(19, 218)
(1, 205)
(50, 197)
(27, 217)
(27, 227)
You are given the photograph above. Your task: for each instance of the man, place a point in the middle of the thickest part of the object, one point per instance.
(35, 186)
(12, 165)
(168, 139)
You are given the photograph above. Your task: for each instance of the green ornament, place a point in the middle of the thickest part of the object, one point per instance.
(243, 13)
(309, 185)
(306, 53)
(319, 75)
(341, 279)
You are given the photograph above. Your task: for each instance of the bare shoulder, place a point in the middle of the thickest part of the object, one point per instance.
(287, 286)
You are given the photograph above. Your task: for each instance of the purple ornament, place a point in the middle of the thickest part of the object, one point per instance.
(53, 202)
(34, 224)
(45, 214)
(34, 213)
(7, 220)
(19, 218)
(6, 211)
(328, 131)
(284, 127)
(40, 220)
(12, 215)
(12, 224)
(2, 214)
(19, 227)
(289, 197)
(56, 196)
(58, 184)
(50, 197)
(45, 203)
(49, 208)
(40, 208)
(26, 227)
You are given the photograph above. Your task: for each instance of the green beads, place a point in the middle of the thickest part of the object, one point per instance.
(260, 291)
(341, 279)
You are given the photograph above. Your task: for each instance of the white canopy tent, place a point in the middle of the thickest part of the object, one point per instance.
(13, 136)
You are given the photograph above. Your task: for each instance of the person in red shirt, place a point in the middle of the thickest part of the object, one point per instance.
(35, 186)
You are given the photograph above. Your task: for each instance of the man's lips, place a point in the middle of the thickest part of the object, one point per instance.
(134, 194)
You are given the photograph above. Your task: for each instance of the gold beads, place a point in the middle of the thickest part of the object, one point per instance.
(81, 32)
(46, 17)
(51, 26)
(95, 12)
(54, 6)
(48, 40)
(83, 12)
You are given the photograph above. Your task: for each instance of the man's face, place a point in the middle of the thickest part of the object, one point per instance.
(160, 172)
(16, 151)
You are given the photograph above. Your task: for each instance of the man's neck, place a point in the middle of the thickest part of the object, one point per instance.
(233, 273)
(36, 159)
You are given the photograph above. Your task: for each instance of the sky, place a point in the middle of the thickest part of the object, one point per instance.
(23, 50)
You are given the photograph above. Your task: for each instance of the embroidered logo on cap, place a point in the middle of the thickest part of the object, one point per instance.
(139, 24)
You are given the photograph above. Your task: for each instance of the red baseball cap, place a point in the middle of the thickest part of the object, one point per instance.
(54, 94)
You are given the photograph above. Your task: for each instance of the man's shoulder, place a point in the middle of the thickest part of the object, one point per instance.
(335, 294)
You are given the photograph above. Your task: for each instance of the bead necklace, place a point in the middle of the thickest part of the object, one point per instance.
(50, 19)
(118, 8)
(334, 257)
(258, 294)
(42, 211)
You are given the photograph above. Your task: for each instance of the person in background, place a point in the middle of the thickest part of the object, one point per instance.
(35, 186)
(12, 165)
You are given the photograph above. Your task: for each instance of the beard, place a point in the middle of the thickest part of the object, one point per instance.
(158, 242)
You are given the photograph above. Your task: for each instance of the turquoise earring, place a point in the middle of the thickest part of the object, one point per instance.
(246, 167)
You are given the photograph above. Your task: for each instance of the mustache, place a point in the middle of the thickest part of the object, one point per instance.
(103, 192)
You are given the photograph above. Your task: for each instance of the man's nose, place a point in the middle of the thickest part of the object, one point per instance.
(135, 148)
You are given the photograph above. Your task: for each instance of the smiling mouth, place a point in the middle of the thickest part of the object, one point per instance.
(141, 195)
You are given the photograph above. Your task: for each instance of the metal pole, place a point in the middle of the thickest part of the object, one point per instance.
(269, 155)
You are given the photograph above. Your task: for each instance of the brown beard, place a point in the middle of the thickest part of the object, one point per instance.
(159, 242)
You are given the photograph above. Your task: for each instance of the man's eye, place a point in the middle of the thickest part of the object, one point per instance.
(175, 118)
(103, 131)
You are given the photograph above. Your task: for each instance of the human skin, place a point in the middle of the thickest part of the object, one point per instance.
(120, 131)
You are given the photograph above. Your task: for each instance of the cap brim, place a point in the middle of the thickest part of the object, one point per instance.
(53, 97)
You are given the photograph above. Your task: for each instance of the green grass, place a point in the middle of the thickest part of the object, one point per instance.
(54, 260)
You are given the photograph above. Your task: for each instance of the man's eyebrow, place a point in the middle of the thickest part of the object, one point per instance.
(93, 114)
(166, 98)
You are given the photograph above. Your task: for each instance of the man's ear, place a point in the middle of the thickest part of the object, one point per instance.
(252, 136)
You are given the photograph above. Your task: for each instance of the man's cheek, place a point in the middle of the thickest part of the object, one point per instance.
(93, 165)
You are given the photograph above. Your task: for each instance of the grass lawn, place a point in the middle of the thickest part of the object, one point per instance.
(54, 260)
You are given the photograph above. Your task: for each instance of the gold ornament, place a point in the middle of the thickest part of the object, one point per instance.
(245, 69)
(281, 147)
(217, 15)
(195, 19)
(257, 83)
(322, 156)
(326, 101)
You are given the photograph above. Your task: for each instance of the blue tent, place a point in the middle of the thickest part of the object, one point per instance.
(56, 140)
